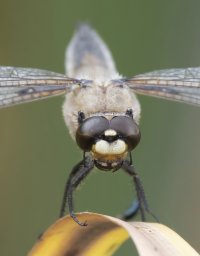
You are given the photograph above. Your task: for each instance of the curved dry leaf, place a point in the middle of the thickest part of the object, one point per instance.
(105, 234)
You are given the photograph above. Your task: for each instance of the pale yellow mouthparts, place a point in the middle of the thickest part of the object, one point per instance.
(103, 147)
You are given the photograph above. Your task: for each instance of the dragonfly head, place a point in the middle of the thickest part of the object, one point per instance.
(108, 140)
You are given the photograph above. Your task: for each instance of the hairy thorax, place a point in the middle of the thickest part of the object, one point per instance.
(106, 99)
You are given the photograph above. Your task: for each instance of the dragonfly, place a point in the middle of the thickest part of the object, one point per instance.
(101, 109)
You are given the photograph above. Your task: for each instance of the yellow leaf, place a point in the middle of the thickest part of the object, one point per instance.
(103, 235)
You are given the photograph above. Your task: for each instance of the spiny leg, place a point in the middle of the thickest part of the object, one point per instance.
(135, 206)
(141, 202)
(79, 172)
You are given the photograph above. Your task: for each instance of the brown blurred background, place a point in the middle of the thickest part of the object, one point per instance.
(36, 151)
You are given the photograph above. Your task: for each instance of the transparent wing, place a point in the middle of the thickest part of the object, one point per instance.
(173, 84)
(18, 85)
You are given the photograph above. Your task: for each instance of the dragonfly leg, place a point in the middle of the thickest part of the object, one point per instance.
(141, 203)
(79, 172)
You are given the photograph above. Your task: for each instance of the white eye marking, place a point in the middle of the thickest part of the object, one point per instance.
(115, 148)
(110, 132)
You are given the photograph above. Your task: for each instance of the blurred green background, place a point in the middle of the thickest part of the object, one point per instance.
(36, 151)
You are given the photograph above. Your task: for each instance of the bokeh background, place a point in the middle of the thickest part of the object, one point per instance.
(36, 151)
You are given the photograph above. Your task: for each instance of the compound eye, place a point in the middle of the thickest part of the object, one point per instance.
(90, 129)
(127, 128)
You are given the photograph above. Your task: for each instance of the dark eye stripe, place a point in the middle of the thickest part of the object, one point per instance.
(127, 129)
(123, 125)
(94, 125)
(89, 130)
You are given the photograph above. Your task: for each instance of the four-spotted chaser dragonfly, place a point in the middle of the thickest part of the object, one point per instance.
(101, 109)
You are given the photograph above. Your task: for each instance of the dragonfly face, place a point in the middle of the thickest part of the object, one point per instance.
(101, 109)
(108, 140)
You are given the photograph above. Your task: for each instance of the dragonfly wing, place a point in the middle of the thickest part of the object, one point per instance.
(18, 85)
(174, 84)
